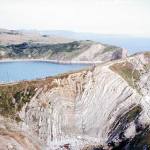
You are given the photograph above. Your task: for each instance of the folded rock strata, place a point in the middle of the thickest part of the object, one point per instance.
(104, 105)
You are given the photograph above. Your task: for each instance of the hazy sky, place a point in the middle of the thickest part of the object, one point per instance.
(98, 16)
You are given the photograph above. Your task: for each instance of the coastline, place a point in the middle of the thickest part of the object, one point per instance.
(48, 61)
(51, 61)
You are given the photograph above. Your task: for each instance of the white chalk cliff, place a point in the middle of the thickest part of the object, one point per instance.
(91, 107)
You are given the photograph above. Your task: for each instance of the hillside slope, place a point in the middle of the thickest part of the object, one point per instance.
(106, 105)
(8, 37)
(72, 51)
(32, 45)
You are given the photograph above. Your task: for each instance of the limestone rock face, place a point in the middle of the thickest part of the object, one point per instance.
(90, 107)
(100, 52)
(13, 137)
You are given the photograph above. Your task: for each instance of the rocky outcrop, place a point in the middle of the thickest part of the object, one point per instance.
(12, 137)
(106, 105)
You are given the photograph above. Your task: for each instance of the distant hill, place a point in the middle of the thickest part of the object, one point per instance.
(18, 37)
(33, 44)
(132, 43)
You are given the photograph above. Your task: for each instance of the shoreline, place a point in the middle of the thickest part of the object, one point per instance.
(51, 61)
(48, 61)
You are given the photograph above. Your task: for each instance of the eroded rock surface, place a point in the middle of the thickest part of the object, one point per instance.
(106, 105)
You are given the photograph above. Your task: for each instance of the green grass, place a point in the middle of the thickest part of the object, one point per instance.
(131, 115)
(110, 49)
(92, 147)
(127, 72)
(127, 117)
(147, 54)
(13, 98)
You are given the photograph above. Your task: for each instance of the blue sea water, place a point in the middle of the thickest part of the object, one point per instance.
(28, 70)
(134, 44)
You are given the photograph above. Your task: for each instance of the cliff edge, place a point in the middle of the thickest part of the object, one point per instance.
(105, 107)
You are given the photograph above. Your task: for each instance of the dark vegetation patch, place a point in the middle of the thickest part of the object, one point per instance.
(12, 99)
(120, 125)
(133, 113)
(14, 96)
(147, 67)
(37, 50)
(92, 147)
(147, 54)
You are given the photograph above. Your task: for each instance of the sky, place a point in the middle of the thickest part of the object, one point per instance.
(131, 17)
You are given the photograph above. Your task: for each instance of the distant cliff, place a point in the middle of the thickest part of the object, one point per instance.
(32, 45)
(104, 107)
(73, 51)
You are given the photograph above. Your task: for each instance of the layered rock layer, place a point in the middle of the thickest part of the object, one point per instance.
(101, 105)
